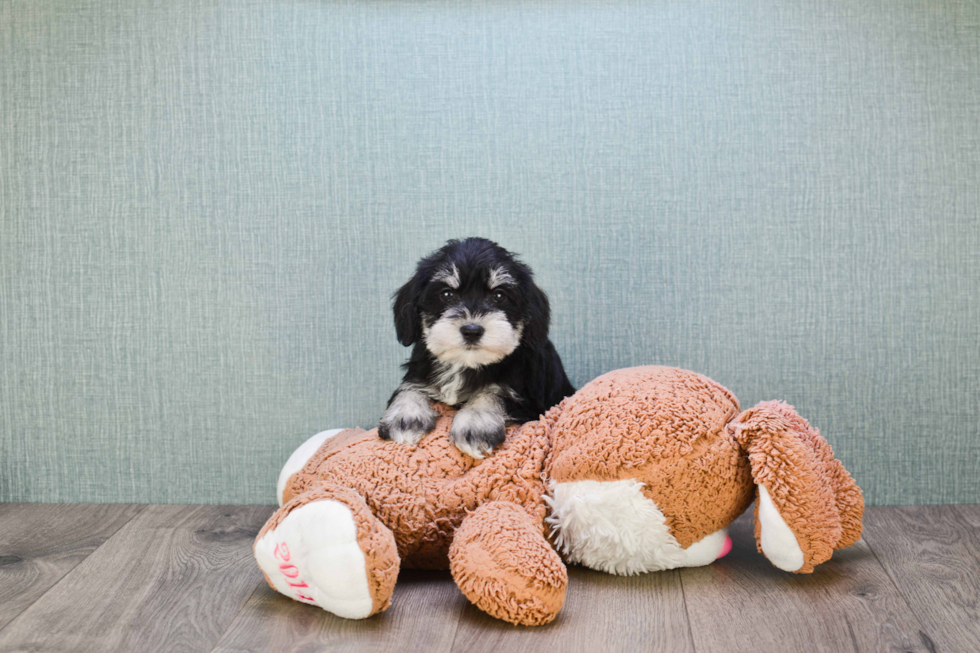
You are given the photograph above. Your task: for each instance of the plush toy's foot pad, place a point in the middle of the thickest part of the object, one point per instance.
(504, 565)
(708, 549)
(326, 548)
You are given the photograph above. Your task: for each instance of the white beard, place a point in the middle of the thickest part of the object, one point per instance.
(446, 342)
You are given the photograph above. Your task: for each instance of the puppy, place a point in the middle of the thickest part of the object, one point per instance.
(479, 329)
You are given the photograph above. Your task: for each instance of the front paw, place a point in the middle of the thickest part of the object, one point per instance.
(476, 433)
(406, 427)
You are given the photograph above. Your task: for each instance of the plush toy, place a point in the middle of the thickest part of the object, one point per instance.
(642, 469)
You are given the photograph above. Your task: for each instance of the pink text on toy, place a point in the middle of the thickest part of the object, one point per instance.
(290, 571)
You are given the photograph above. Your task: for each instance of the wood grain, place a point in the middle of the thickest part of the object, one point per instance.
(932, 554)
(174, 577)
(423, 616)
(40, 543)
(184, 579)
(601, 613)
(743, 603)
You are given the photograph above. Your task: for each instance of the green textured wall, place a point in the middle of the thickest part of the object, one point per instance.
(205, 205)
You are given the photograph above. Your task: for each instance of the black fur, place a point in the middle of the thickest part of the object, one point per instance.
(532, 375)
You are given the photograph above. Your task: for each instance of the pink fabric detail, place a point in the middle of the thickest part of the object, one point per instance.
(726, 548)
(282, 552)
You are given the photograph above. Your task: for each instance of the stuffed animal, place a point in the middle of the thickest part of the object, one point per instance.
(642, 469)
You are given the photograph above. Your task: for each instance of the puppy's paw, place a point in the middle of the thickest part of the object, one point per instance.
(406, 422)
(477, 432)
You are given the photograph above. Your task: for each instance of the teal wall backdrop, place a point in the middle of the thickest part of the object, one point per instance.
(205, 205)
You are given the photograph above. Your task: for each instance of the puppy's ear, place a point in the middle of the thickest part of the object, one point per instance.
(538, 313)
(408, 322)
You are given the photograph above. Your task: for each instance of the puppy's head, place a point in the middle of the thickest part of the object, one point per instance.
(472, 303)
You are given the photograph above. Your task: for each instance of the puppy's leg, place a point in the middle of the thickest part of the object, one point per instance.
(408, 416)
(478, 427)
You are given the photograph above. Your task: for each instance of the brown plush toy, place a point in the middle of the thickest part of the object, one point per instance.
(642, 469)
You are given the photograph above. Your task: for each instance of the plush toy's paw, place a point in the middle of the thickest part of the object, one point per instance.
(477, 429)
(808, 505)
(326, 548)
(408, 418)
(502, 563)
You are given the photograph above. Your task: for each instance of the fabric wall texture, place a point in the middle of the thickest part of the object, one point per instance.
(205, 205)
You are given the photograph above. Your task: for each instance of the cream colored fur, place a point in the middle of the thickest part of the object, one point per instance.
(612, 527)
(447, 344)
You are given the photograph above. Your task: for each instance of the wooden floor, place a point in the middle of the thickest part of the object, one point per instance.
(182, 578)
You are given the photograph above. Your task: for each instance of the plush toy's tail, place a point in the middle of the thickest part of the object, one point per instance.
(807, 503)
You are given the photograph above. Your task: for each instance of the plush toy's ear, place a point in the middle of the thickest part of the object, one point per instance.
(807, 503)
(408, 322)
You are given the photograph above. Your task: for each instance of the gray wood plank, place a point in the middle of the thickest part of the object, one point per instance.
(743, 603)
(174, 574)
(601, 613)
(932, 554)
(185, 576)
(41, 542)
(423, 616)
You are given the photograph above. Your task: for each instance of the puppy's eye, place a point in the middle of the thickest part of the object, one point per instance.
(498, 296)
(446, 295)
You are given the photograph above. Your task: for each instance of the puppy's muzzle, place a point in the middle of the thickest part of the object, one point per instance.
(472, 333)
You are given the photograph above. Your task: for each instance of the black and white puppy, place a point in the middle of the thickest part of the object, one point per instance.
(479, 326)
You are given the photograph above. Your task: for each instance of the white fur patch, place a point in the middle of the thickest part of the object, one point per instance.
(778, 542)
(612, 527)
(410, 406)
(313, 556)
(299, 458)
(499, 277)
(449, 276)
(444, 340)
(482, 415)
(448, 384)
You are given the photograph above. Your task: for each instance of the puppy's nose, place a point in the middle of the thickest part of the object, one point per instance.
(471, 332)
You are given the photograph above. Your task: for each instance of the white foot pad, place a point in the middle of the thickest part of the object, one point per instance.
(313, 556)
(708, 549)
(778, 542)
